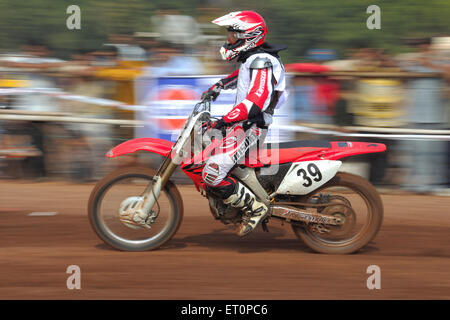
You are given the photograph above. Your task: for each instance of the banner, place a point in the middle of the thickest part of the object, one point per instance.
(168, 101)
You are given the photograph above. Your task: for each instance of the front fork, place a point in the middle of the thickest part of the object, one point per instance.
(153, 190)
(135, 212)
(167, 168)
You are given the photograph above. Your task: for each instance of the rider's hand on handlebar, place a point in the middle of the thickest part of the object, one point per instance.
(210, 124)
(213, 92)
(220, 124)
(216, 124)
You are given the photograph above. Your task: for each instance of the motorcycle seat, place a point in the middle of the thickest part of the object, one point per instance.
(275, 153)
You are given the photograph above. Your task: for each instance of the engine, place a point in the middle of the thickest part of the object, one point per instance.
(223, 213)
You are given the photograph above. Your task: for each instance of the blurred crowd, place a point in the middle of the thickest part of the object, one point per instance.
(366, 88)
(376, 90)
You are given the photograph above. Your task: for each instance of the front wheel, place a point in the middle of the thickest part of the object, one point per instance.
(355, 201)
(106, 200)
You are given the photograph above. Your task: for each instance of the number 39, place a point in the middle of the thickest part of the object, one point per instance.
(314, 171)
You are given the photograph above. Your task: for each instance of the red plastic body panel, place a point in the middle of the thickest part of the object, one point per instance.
(154, 145)
(193, 168)
(343, 149)
(338, 150)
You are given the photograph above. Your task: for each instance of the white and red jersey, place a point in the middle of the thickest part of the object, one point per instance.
(256, 88)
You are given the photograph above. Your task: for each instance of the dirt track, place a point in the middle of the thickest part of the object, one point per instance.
(206, 260)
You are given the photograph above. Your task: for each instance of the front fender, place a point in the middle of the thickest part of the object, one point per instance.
(154, 145)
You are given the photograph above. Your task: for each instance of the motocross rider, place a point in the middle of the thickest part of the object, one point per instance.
(260, 83)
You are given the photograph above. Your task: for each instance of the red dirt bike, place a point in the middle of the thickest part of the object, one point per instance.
(330, 211)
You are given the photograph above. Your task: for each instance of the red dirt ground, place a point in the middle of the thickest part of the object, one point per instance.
(206, 260)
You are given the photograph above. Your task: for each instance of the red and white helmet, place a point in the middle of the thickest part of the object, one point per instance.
(248, 30)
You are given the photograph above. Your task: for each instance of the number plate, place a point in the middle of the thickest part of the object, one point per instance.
(304, 177)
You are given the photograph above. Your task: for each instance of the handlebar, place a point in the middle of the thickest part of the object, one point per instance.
(206, 103)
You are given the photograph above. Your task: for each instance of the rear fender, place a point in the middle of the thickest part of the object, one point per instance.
(154, 145)
(343, 149)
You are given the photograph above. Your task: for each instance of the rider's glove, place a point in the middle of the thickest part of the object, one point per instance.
(220, 124)
(213, 92)
(214, 124)
(209, 124)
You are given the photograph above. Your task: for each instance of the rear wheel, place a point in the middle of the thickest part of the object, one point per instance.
(107, 198)
(356, 202)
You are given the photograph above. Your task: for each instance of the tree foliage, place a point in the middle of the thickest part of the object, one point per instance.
(300, 24)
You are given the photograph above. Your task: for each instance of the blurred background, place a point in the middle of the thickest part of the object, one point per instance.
(136, 67)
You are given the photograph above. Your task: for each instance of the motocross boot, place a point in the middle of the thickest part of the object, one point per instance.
(254, 210)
